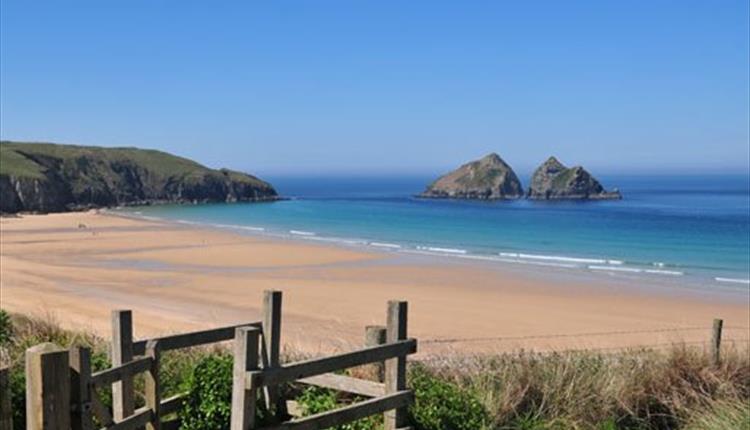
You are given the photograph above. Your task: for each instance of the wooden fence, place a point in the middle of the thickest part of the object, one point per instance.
(62, 390)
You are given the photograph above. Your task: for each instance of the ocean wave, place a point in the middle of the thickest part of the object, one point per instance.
(616, 269)
(385, 245)
(664, 272)
(443, 250)
(733, 280)
(558, 258)
(302, 233)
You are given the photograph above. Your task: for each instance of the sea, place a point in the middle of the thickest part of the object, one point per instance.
(684, 229)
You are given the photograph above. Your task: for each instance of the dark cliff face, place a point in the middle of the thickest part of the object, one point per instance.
(54, 178)
(489, 178)
(553, 181)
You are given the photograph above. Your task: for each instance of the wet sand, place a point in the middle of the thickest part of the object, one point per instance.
(78, 267)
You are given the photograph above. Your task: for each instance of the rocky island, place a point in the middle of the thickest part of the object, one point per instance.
(47, 177)
(553, 181)
(489, 178)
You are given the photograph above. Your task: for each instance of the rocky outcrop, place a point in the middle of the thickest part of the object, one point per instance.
(489, 178)
(553, 181)
(36, 177)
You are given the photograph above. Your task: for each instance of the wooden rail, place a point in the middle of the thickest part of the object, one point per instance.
(308, 368)
(196, 338)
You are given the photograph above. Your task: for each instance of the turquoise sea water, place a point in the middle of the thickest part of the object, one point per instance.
(691, 228)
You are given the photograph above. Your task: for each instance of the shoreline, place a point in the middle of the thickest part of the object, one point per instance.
(655, 278)
(50, 264)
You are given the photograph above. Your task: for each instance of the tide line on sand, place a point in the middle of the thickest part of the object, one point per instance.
(733, 280)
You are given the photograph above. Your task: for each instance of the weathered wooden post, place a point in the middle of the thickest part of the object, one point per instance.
(716, 341)
(395, 368)
(47, 387)
(272, 346)
(123, 400)
(246, 341)
(153, 385)
(80, 395)
(6, 411)
(376, 335)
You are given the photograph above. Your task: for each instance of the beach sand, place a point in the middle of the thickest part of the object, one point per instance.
(78, 267)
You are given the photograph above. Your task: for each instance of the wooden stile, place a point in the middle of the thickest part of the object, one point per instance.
(81, 391)
(272, 347)
(6, 410)
(395, 368)
(376, 335)
(716, 341)
(243, 396)
(47, 387)
(123, 401)
(153, 386)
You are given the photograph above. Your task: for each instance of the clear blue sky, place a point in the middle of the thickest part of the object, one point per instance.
(385, 86)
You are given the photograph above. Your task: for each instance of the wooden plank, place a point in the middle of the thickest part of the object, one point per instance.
(293, 408)
(123, 396)
(119, 373)
(307, 368)
(47, 387)
(101, 411)
(172, 404)
(395, 368)
(246, 350)
(376, 335)
(196, 338)
(346, 384)
(171, 424)
(6, 411)
(81, 390)
(272, 347)
(349, 413)
(136, 420)
(716, 341)
(152, 389)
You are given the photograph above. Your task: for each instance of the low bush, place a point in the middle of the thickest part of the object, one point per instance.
(441, 405)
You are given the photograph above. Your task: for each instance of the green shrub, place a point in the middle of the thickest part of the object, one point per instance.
(6, 328)
(209, 395)
(314, 400)
(441, 405)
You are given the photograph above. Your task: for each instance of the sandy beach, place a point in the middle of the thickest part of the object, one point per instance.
(78, 267)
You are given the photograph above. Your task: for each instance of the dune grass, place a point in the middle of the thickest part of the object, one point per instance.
(676, 388)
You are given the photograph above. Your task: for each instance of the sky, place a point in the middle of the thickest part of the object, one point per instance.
(385, 87)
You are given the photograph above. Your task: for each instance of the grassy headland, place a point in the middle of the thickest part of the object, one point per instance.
(48, 177)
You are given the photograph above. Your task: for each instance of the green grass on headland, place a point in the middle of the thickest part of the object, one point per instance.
(644, 389)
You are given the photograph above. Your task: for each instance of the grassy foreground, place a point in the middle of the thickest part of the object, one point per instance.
(644, 389)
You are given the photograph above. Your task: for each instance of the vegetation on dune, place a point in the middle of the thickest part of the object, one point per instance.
(637, 390)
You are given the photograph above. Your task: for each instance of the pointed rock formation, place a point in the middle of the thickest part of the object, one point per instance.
(553, 181)
(489, 178)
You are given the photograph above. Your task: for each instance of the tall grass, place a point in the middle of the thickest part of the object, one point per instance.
(676, 388)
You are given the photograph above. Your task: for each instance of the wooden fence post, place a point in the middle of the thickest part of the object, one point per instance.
(272, 347)
(245, 359)
(47, 387)
(395, 368)
(6, 411)
(376, 335)
(153, 385)
(123, 401)
(80, 396)
(716, 341)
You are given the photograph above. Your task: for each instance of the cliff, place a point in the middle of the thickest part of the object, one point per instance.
(489, 178)
(553, 181)
(46, 177)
